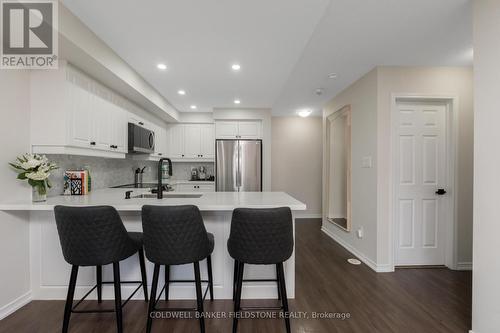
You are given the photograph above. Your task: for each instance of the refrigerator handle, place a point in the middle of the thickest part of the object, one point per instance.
(238, 171)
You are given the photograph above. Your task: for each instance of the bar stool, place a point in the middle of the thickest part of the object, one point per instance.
(176, 235)
(96, 236)
(260, 237)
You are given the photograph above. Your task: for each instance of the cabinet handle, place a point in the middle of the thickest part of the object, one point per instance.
(182, 155)
(114, 146)
(159, 154)
(92, 143)
(141, 123)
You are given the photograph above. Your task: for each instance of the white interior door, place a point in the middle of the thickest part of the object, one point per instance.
(421, 170)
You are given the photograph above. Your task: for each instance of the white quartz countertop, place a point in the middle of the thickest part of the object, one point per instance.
(209, 201)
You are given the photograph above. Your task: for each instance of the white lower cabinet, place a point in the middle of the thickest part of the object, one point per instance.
(197, 187)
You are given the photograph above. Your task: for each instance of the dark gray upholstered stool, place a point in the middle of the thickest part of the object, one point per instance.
(96, 236)
(260, 237)
(176, 235)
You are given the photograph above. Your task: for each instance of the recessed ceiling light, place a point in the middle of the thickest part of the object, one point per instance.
(162, 66)
(304, 113)
(181, 92)
(332, 75)
(193, 107)
(236, 67)
(237, 101)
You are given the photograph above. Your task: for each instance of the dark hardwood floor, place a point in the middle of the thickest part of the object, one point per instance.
(409, 300)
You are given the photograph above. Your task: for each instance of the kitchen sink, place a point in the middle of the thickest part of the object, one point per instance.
(168, 196)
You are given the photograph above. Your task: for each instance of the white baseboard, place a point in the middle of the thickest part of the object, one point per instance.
(15, 305)
(464, 266)
(298, 215)
(369, 262)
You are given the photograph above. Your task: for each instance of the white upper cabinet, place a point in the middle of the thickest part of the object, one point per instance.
(73, 114)
(245, 129)
(161, 142)
(226, 129)
(191, 141)
(176, 141)
(207, 133)
(80, 117)
(249, 129)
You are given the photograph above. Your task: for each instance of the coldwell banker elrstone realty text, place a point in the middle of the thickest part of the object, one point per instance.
(29, 34)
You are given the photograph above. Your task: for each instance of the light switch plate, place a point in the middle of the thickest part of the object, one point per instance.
(366, 162)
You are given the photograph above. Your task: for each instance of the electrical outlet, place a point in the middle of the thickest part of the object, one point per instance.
(360, 232)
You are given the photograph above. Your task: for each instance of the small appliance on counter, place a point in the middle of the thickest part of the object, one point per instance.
(194, 174)
(202, 173)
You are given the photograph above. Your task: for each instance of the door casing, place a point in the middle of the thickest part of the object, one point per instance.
(450, 221)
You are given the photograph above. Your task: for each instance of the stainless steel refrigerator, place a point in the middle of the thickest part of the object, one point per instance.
(238, 166)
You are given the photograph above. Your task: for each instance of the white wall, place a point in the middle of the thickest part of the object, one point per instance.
(427, 81)
(370, 98)
(14, 227)
(486, 268)
(297, 160)
(362, 97)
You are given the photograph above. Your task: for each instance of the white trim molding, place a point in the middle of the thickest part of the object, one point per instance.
(307, 215)
(464, 266)
(384, 268)
(452, 103)
(15, 305)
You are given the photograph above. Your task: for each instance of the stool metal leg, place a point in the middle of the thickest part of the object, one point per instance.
(284, 300)
(99, 283)
(152, 297)
(210, 277)
(69, 298)
(237, 302)
(278, 283)
(143, 274)
(167, 281)
(199, 295)
(118, 297)
(235, 279)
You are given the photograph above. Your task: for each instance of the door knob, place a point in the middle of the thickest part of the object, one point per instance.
(440, 191)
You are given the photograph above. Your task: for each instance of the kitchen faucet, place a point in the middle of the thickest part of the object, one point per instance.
(160, 185)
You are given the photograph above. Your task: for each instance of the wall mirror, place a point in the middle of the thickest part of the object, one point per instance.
(338, 129)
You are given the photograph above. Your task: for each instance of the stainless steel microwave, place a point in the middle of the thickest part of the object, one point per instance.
(140, 139)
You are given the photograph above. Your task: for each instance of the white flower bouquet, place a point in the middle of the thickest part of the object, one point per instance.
(36, 170)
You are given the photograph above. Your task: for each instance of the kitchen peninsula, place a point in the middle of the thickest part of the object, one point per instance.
(49, 271)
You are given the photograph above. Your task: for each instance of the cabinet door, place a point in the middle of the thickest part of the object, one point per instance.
(226, 129)
(160, 141)
(185, 188)
(192, 141)
(249, 129)
(102, 123)
(119, 129)
(80, 131)
(205, 188)
(176, 141)
(207, 149)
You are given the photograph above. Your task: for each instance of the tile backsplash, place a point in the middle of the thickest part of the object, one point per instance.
(107, 172)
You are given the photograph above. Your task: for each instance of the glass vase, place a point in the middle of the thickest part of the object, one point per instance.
(39, 194)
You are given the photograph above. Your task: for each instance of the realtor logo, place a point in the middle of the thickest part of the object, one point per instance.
(29, 34)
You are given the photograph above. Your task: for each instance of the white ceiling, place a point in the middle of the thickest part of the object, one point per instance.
(286, 47)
